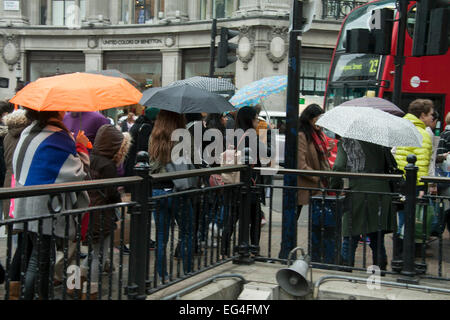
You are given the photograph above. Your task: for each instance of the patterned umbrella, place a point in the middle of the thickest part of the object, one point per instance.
(253, 93)
(206, 83)
(371, 125)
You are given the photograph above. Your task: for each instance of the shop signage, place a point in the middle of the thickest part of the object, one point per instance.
(11, 5)
(131, 42)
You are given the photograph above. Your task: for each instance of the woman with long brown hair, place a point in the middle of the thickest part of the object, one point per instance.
(160, 150)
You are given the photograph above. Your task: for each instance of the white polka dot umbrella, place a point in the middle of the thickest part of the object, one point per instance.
(371, 125)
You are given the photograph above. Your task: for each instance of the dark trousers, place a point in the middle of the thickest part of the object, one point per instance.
(16, 263)
(42, 251)
(348, 251)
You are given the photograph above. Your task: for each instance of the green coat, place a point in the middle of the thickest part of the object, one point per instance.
(374, 163)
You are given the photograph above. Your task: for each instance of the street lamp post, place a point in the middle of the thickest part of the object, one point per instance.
(18, 76)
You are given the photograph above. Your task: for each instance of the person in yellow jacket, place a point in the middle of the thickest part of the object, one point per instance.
(420, 113)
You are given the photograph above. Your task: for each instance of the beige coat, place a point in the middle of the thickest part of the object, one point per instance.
(308, 159)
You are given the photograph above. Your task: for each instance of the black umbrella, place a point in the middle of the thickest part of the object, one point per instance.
(185, 99)
(114, 73)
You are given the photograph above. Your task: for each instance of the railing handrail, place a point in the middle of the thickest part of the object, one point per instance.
(389, 177)
(195, 172)
(429, 179)
(49, 189)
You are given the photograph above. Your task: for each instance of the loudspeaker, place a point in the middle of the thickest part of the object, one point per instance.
(293, 279)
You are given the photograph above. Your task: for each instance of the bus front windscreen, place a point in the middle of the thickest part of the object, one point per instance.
(355, 67)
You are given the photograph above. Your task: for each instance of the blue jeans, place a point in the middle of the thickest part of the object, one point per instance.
(183, 215)
(401, 217)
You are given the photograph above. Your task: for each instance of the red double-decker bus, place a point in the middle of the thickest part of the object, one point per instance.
(353, 75)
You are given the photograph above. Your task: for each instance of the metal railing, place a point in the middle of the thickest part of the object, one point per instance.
(338, 9)
(329, 218)
(200, 228)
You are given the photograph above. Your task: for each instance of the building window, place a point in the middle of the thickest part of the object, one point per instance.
(196, 63)
(223, 8)
(65, 11)
(47, 63)
(314, 77)
(43, 12)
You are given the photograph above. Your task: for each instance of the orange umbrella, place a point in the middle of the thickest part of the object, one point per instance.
(77, 92)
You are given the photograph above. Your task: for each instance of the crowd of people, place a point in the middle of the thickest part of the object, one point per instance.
(56, 147)
(361, 218)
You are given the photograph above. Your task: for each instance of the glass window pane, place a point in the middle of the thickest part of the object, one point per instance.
(43, 12)
(44, 69)
(143, 11)
(125, 11)
(83, 9)
(58, 12)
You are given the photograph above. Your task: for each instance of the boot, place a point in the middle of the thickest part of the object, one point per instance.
(14, 290)
(94, 291)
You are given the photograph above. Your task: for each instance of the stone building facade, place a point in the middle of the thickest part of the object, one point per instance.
(160, 41)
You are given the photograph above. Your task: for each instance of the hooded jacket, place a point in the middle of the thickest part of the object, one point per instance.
(109, 151)
(15, 122)
(423, 153)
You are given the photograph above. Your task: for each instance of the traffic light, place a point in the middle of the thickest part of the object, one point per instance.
(431, 28)
(227, 51)
(377, 39)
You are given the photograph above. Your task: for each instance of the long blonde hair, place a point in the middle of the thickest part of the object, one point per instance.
(160, 143)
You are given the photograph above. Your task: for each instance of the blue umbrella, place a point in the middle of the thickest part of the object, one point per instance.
(255, 92)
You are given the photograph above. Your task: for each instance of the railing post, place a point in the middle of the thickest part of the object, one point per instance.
(410, 216)
(244, 219)
(139, 251)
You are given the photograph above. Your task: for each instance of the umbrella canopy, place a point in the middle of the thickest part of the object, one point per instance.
(255, 92)
(374, 102)
(371, 125)
(77, 92)
(185, 99)
(207, 83)
(114, 73)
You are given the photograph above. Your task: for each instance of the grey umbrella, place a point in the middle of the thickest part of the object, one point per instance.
(114, 73)
(377, 103)
(371, 125)
(207, 83)
(185, 99)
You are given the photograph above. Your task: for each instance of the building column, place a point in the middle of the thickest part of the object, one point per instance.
(16, 14)
(34, 12)
(209, 9)
(97, 12)
(49, 20)
(176, 10)
(94, 60)
(171, 66)
(194, 10)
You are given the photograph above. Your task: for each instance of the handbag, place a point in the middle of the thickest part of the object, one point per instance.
(228, 158)
(183, 183)
(216, 180)
(419, 232)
